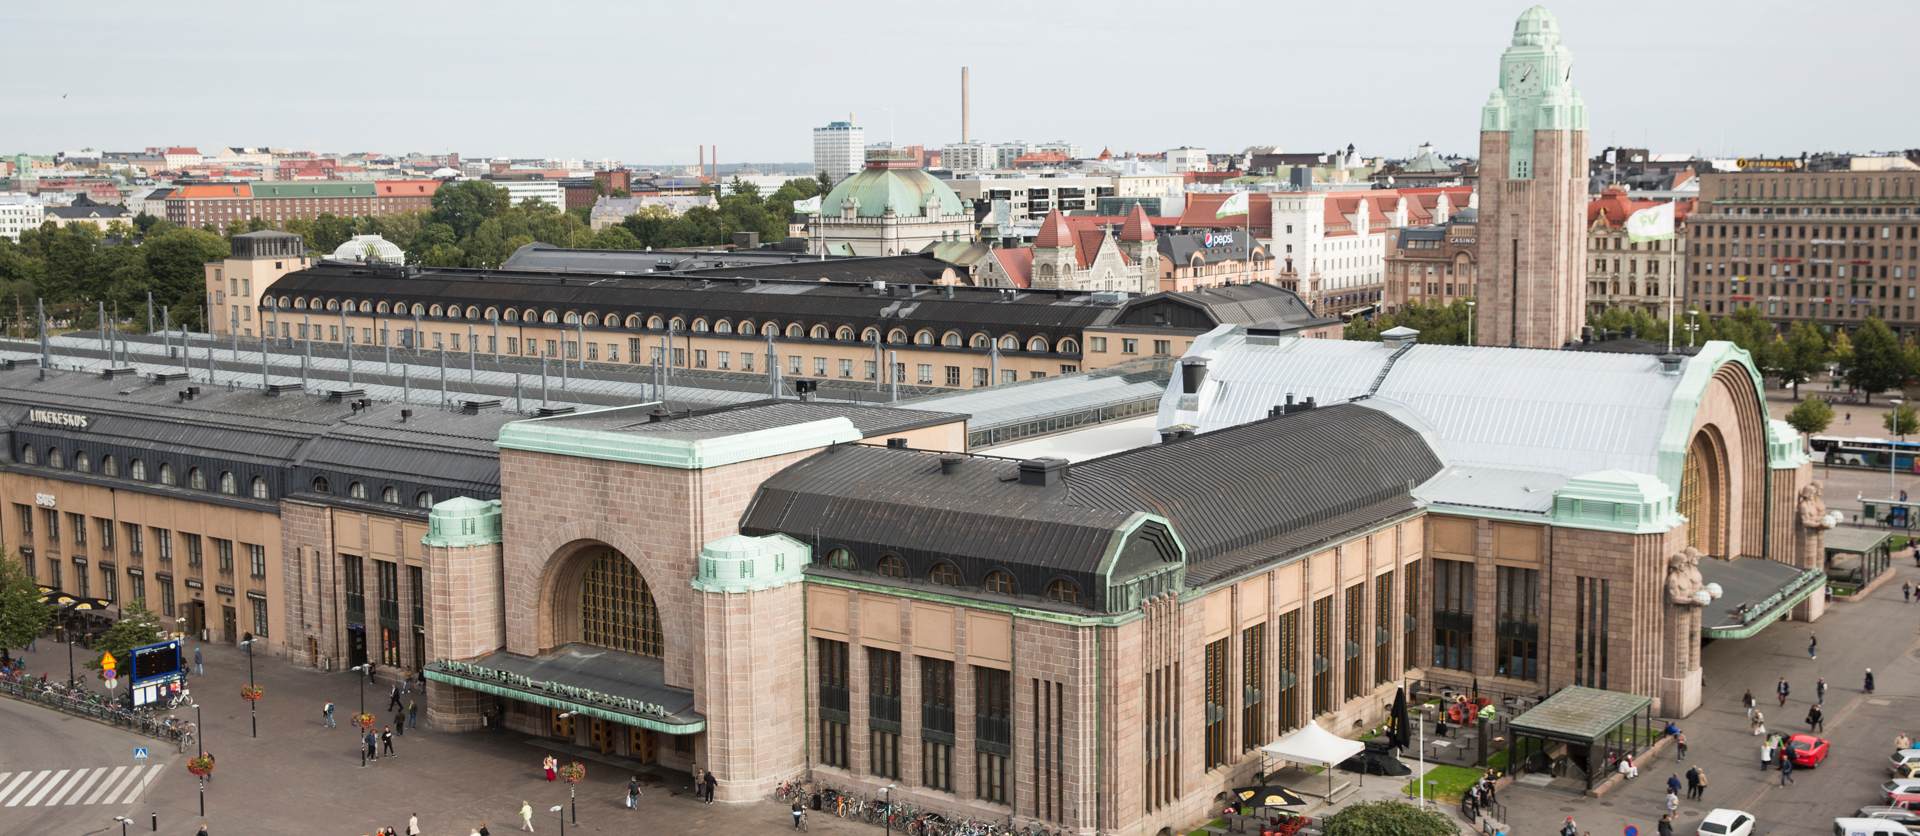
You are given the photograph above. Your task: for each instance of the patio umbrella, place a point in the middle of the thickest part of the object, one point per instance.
(1397, 721)
(1268, 796)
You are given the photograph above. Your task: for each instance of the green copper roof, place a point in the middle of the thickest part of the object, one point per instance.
(739, 563)
(463, 521)
(559, 437)
(299, 189)
(904, 190)
(1615, 500)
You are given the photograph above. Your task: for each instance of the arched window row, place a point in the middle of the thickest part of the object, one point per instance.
(224, 482)
(948, 574)
(613, 320)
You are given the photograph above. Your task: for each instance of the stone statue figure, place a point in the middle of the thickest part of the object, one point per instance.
(1813, 522)
(1683, 578)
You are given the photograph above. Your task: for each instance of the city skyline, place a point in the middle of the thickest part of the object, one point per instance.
(1386, 83)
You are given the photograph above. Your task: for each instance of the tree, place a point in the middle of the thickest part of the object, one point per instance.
(1840, 352)
(615, 238)
(1878, 363)
(23, 616)
(137, 627)
(1811, 416)
(464, 205)
(799, 189)
(1902, 420)
(1438, 324)
(1387, 818)
(825, 182)
(1800, 356)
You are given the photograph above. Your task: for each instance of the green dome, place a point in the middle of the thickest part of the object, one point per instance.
(878, 188)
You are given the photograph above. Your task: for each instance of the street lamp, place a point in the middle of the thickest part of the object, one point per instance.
(1422, 780)
(124, 821)
(200, 736)
(1893, 453)
(555, 809)
(886, 805)
(357, 670)
(573, 800)
(1691, 325)
(1469, 322)
(252, 705)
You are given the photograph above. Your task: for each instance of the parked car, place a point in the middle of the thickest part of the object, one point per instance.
(1807, 750)
(1869, 827)
(1902, 815)
(1725, 822)
(1911, 770)
(1901, 760)
(1905, 800)
(1906, 786)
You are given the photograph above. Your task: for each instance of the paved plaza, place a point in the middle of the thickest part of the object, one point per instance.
(301, 777)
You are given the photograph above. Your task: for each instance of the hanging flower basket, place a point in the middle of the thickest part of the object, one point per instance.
(574, 772)
(200, 765)
(252, 693)
(365, 721)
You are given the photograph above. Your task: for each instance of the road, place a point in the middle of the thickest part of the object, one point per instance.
(63, 774)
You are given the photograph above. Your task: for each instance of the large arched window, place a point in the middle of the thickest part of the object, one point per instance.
(55, 458)
(109, 466)
(196, 479)
(1703, 493)
(423, 499)
(390, 495)
(1063, 591)
(229, 485)
(82, 462)
(616, 607)
(356, 490)
(27, 455)
(840, 559)
(891, 566)
(321, 485)
(998, 581)
(166, 474)
(260, 489)
(137, 470)
(945, 573)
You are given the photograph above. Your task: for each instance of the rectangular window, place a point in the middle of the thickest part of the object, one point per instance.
(1322, 655)
(513, 345)
(793, 364)
(1129, 346)
(924, 373)
(1453, 614)
(699, 358)
(846, 369)
(1097, 344)
(1253, 679)
(1382, 628)
(256, 560)
(832, 659)
(259, 605)
(25, 513)
(416, 589)
(820, 367)
(872, 369)
(1356, 680)
(166, 595)
(1217, 703)
(1287, 643)
(52, 518)
(78, 522)
(223, 549)
(993, 732)
(163, 544)
(883, 711)
(356, 588)
(135, 544)
(1518, 625)
(387, 582)
(746, 361)
(1049, 736)
(573, 350)
(193, 549)
(1592, 606)
(1162, 347)
(936, 723)
(979, 378)
(593, 351)
(109, 584)
(953, 375)
(138, 583)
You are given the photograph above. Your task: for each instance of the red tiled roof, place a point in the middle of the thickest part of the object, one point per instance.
(181, 149)
(1040, 159)
(1017, 262)
(1138, 227)
(1200, 209)
(1053, 232)
(1086, 245)
(213, 191)
(1613, 207)
(406, 188)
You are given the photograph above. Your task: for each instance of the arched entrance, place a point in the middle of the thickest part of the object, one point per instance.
(1704, 494)
(600, 598)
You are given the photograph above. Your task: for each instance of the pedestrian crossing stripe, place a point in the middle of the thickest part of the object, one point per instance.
(76, 787)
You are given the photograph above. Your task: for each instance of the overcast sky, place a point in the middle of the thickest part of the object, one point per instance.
(647, 81)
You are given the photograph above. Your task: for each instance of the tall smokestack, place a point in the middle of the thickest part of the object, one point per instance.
(716, 163)
(965, 105)
(703, 159)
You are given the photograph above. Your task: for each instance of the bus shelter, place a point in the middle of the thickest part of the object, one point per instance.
(1583, 729)
(1857, 555)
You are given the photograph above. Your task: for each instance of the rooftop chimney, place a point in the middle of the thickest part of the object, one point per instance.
(1193, 372)
(897, 443)
(805, 389)
(405, 414)
(1042, 473)
(658, 414)
(1670, 363)
(949, 464)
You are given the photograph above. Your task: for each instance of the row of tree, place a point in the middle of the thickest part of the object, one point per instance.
(77, 268)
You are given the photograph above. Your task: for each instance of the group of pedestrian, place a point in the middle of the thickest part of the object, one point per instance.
(378, 745)
(413, 827)
(1484, 792)
(704, 784)
(1696, 782)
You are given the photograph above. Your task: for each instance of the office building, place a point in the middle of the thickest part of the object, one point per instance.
(838, 149)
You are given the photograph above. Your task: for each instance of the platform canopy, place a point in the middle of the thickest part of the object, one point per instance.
(1312, 744)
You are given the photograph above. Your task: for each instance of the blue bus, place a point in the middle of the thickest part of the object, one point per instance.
(1842, 451)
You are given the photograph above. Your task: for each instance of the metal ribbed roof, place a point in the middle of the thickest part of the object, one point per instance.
(1034, 399)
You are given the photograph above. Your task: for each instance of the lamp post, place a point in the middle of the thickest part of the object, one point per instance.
(1692, 326)
(200, 736)
(1469, 322)
(573, 800)
(886, 807)
(124, 821)
(69, 636)
(1893, 453)
(358, 670)
(555, 810)
(1421, 789)
(252, 703)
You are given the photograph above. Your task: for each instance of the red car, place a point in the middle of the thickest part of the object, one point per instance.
(1807, 750)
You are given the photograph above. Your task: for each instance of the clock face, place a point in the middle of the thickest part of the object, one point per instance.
(1524, 79)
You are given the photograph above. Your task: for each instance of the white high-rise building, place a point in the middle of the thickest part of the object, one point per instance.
(19, 212)
(967, 156)
(839, 149)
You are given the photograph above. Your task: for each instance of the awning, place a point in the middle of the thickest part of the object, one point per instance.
(1754, 592)
(1312, 744)
(1579, 715)
(608, 684)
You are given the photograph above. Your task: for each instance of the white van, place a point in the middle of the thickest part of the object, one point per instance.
(1869, 827)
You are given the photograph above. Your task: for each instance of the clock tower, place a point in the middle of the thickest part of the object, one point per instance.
(1532, 287)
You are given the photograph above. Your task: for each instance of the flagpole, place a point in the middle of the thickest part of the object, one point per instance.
(1671, 277)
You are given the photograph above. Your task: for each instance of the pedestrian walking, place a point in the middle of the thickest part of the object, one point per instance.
(1680, 741)
(1906, 591)
(1766, 754)
(1665, 828)
(400, 722)
(633, 791)
(1786, 768)
(202, 831)
(386, 741)
(372, 744)
(712, 784)
(1901, 742)
(1813, 646)
(483, 830)
(1747, 700)
(1673, 783)
(1820, 690)
(1816, 718)
(1759, 724)
(799, 815)
(413, 713)
(1869, 682)
(1702, 792)
(393, 698)
(1781, 689)
(326, 713)
(1673, 802)
(1693, 782)
(413, 824)
(1569, 828)
(699, 783)
(550, 766)
(199, 666)
(526, 817)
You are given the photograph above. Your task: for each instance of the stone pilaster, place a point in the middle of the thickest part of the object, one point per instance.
(751, 601)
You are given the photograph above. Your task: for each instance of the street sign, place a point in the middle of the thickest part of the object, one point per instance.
(106, 662)
(139, 753)
(112, 680)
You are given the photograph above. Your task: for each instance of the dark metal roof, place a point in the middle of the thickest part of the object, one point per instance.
(806, 302)
(538, 256)
(1253, 303)
(1237, 497)
(871, 421)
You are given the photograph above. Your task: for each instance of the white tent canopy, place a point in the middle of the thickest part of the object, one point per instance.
(1315, 745)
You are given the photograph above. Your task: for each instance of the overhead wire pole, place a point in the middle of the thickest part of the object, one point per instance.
(346, 342)
(473, 361)
(46, 349)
